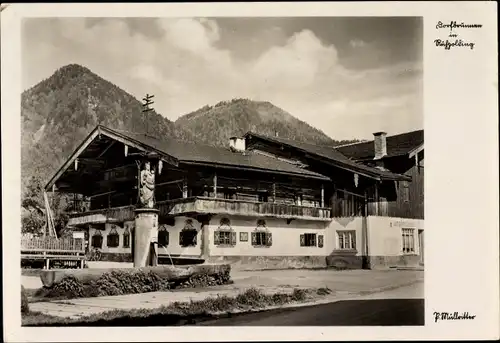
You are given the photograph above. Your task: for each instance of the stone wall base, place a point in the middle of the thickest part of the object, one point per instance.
(351, 261)
(270, 262)
(338, 261)
(345, 260)
(385, 262)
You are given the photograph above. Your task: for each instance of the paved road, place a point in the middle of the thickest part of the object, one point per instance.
(403, 306)
(343, 313)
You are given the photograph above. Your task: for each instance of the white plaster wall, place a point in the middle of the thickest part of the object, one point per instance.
(120, 230)
(173, 245)
(385, 235)
(285, 237)
(346, 224)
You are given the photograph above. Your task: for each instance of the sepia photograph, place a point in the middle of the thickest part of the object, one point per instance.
(225, 171)
(251, 162)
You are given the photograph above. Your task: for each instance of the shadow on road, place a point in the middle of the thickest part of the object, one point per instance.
(387, 312)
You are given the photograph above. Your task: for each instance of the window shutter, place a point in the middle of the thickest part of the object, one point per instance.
(254, 238)
(195, 239)
(216, 237)
(320, 241)
(233, 238)
(313, 240)
(302, 240)
(269, 239)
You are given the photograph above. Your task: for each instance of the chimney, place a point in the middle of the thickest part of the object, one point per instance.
(380, 145)
(237, 144)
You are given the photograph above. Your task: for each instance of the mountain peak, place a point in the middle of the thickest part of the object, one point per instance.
(72, 71)
(61, 110)
(73, 68)
(215, 124)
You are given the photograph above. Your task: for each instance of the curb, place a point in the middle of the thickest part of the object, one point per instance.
(327, 300)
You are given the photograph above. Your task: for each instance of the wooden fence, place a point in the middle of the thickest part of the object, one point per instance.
(58, 253)
(51, 244)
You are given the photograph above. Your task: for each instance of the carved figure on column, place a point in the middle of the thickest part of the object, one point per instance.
(146, 195)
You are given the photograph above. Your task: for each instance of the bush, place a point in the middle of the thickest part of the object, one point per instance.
(221, 278)
(299, 294)
(118, 282)
(25, 308)
(323, 291)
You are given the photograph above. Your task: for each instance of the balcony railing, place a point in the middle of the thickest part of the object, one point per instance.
(101, 216)
(245, 208)
(205, 205)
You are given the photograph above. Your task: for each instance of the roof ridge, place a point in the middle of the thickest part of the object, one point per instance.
(348, 144)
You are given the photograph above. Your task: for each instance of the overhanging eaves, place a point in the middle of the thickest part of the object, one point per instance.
(97, 132)
(416, 150)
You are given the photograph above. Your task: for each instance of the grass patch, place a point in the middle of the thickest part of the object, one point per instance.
(25, 308)
(177, 313)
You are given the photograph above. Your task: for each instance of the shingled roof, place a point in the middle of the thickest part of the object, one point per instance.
(397, 145)
(334, 156)
(218, 156)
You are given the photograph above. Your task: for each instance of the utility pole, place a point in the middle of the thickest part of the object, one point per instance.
(145, 105)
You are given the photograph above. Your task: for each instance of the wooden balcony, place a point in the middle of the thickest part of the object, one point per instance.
(101, 216)
(205, 205)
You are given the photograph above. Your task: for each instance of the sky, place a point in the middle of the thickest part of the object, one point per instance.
(347, 76)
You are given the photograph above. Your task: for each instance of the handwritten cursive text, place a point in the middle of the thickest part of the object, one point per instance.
(447, 45)
(452, 316)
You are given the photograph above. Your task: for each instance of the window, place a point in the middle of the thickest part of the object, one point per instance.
(347, 240)
(126, 238)
(308, 240)
(225, 238)
(113, 238)
(97, 239)
(187, 236)
(408, 241)
(163, 236)
(225, 235)
(262, 239)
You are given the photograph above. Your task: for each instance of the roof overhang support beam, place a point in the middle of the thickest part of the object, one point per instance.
(107, 148)
(416, 150)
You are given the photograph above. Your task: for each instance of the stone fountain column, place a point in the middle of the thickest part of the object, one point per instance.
(146, 218)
